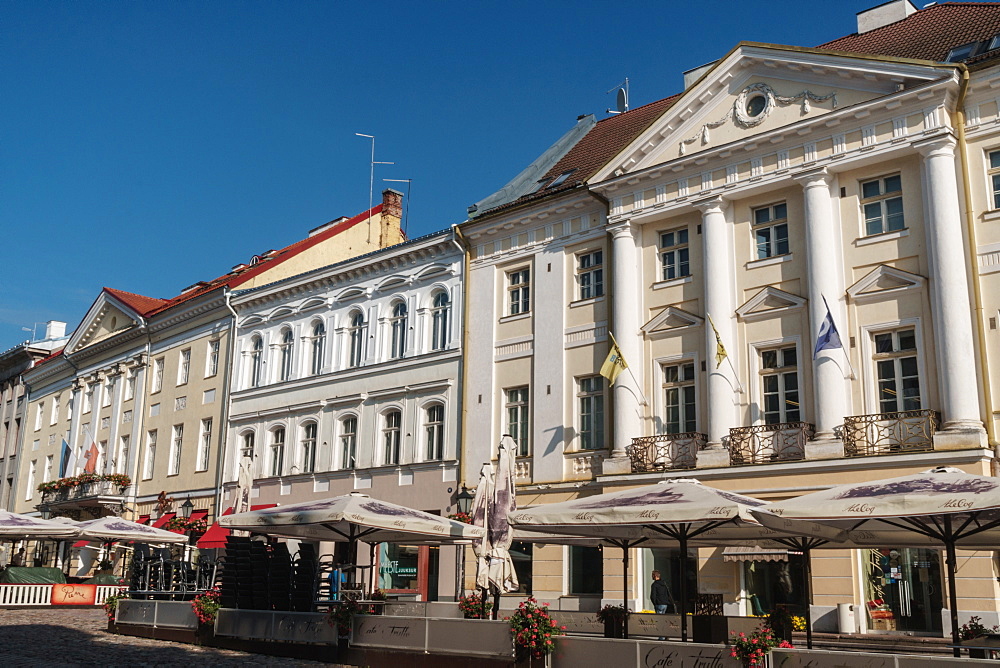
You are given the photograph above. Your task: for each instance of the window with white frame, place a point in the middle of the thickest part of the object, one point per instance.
(897, 371)
(157, 377)
(318, 344)
(286, 348)
(150, 459)
(590, 398)
(124, 450)
(176, 446)
(391, 424)
(184, 367)
(249, 439)
(39, 415)
(348, 442)
(102, 453)
(679, 398)
(440, 317)
(398, 325)
(434, 431)
(88, 398)
(30, 490)
(770, 230)
(882, 204)
(779, 377)
(109, 391)
(994, 174)
(309, 447)
(256, 360)
(212, 358)
(277, 452)
(204, 445)
(590, 274)
(69, 407)
(518, 291)
(517, 418)
(47, 473)
(674, 254)
(55, 410)
(358, 334)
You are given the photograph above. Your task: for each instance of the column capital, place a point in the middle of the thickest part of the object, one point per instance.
(711, 205)
(621, 228)
(814, 178)
(941, 146)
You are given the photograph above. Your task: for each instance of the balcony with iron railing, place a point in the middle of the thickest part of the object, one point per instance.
(769, 443)
(665, 452)
(107, 493)
(890, 433)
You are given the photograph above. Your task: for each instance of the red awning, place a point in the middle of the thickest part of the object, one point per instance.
(164, 518)
(216, 535)
(143, 519)
(81, 543)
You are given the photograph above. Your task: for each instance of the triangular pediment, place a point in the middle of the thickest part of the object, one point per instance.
(671, 318)
(105, 318)
(757, 89)
(884, 281)
(768, 302)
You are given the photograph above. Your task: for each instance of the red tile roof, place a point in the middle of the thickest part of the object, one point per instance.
(605, 140)
(147, 306)
(927, 34)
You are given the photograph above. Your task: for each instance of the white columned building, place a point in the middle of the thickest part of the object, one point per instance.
(824, 259)
(950, 297)
(720, 307)
(625, 324)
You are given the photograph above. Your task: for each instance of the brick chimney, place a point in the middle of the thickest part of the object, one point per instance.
(390, 232)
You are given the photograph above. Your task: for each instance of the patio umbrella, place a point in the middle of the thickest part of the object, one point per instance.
(669, 512)
(14, 526)
(945, 506)
(111, 529)
(494, 501)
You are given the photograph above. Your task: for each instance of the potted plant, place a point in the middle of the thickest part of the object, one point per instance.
(111, 608)
(779, 621)
(533, 630)
(613, 617)
(341, 616)
(752, 649)
(471, 606)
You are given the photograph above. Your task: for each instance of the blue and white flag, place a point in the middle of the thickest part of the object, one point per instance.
(68, 461)
(829, 337)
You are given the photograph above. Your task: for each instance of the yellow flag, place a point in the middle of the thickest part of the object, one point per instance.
(720, 350)
(615, 363)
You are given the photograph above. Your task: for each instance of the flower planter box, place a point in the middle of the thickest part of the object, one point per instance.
(715, 629)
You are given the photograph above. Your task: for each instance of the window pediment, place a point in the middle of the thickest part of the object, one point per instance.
(768, 302)
(884, 281)
(671, 318)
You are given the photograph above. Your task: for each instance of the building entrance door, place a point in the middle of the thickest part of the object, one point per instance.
(904, 589)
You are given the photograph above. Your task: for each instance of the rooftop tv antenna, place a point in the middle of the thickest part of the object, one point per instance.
(371, 182)
(621, 99)
(406, 215)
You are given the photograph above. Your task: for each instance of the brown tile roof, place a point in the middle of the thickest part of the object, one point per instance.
(606, 139)
(927, 34)
(147, 306)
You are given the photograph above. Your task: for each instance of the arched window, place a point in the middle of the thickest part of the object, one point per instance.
(309, 447)
(398, 330)
(348, 442)
(390, 437)
(434, 430)
(277, 451)
(318, 344)
(441, 314)
(256, 360)
(287, 339)
(358, 335)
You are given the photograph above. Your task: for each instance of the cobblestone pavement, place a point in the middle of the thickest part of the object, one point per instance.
(79, 637)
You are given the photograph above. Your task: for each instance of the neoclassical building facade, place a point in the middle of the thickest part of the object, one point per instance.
(346, 379)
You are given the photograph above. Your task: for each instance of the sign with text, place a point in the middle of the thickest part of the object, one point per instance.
(70, 594)
(389, 632)
(572, 652)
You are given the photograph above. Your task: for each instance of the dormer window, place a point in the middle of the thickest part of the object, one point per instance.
(994, 43)
(960, 53)
(561, 179)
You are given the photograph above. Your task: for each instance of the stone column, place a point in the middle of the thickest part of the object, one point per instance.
(823, 259)
(949, 291)
(717, 273)
(625, 325)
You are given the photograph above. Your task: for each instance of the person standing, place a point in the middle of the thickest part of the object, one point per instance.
(660, 596)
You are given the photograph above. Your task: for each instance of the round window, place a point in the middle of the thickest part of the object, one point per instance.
(756, 104)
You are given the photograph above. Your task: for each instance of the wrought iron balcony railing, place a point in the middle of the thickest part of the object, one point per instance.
(890, 433)
(90, 490)
(665, 451)
(767, 443)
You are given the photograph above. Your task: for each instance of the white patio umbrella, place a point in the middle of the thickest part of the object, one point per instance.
(494, 501)
(671, 512)
(112, 528)
(14, 526)
(940, 507)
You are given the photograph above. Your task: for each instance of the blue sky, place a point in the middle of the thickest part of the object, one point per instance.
(145, 146)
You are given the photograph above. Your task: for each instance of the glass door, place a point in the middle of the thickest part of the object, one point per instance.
(904, 590)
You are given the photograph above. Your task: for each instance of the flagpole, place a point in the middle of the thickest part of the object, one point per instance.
(725, 354)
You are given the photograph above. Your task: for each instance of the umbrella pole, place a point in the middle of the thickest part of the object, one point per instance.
(625, 586)
(952, 594)
(807, 576)
(683, 588)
